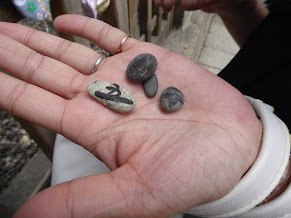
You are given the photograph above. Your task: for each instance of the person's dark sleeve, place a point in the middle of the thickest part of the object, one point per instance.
(279, 6)
(262, 68)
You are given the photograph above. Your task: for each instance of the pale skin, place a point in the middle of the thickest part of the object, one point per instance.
(162, 163)
(240, 17)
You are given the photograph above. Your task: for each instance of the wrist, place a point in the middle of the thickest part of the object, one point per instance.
(241, 17)
(262, 178)
(238, 7)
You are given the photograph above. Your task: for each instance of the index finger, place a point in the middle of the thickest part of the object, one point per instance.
(102, 34)
(73, 54)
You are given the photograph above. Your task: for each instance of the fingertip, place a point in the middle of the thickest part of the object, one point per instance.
(170, 3)
(6, 26)
(166, 9)
(13, 30)
(61, 19)
(3, 27)
(67, 22)
(166, 5)
(58, 21)
(67, 17)
(158, 2)
(190, 5)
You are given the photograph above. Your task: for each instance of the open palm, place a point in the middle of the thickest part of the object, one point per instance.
(162, 163)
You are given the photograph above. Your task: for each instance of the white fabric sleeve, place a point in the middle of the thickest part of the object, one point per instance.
(262, 177)
(71, 161)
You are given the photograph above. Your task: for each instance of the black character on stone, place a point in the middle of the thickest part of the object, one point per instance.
(111, 97)
(114, 89)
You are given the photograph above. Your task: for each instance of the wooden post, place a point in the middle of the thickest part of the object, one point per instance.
(165, 28)
(133, 18)
(178, 16)
(121, 10)
(142, 11)
(170, 20)
(158, 27)
(149, 20)
(59, 7)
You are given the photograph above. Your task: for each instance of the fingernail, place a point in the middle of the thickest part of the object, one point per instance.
(158, 2)
(167, 2)
(190, 4)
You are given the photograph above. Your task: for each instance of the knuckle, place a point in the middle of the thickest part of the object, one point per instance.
(62, 48)
(15, 95)
(33, 61)
(28, 36)
(104, 33)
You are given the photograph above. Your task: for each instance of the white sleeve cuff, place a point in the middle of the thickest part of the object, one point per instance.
(262, 177)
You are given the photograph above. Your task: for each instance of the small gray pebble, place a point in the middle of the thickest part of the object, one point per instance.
(142, 67)
(112, 96)
(151, 86)
(172, 99)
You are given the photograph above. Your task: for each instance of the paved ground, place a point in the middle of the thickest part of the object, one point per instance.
(219, 47)
(204, 39)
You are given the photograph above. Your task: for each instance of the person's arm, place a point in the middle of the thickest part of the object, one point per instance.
(241, 17)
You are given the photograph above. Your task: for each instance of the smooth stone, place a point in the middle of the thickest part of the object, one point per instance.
(112, 96)
(172, 99)
(142, 67)
(151, 86)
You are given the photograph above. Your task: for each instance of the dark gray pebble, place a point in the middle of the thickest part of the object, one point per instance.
(142, 67)
(151, 86)
(112, 96)
(172, 99)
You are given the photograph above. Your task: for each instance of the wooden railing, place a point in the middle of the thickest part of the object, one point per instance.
(142, 19)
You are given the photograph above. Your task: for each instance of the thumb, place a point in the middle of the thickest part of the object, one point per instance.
(119, 193)
(90, 196)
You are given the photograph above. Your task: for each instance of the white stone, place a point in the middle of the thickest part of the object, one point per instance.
(112, 96)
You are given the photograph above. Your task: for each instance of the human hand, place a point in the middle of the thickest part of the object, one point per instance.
(210, 6)
(162, 163)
